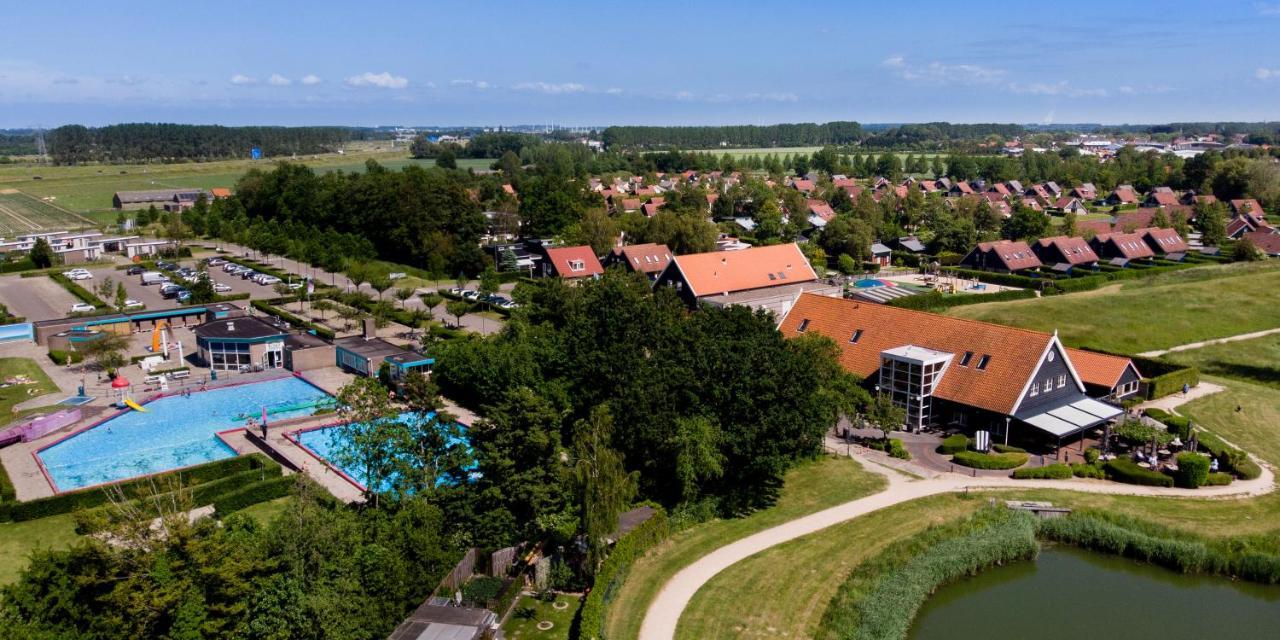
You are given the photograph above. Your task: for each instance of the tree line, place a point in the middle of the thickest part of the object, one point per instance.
(146, 142)
(777, 135)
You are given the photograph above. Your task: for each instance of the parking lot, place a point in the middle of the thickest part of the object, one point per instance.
(35, 299)
(150, 294)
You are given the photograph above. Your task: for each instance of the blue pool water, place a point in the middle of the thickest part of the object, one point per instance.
(324, 441)
(174, 432)
(869, 283)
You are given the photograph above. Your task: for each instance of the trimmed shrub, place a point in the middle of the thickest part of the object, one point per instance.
(1055, 471)
(1088, 471)
(133, 489)
(936, 301)
(1087, 283)
(1218, 479)
(1091, 456)
(61, 357)
(954, 444)
(1127, 471)
(7, 492)
(999, 461)
(1007, 448)
(613, 572)
(1193, 470)
(1229, 458)
(892, 446)
(1169, 383)
(79, 292)
(268, 489)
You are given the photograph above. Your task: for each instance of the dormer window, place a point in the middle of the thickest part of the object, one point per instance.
(577, 265)
(968, 355)
(804, 324)
(983, 361)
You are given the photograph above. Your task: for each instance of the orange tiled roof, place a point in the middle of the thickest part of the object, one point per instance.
(1100, 369)
(565, 259)
(1014, 353)
(646, 258)
(717, 272)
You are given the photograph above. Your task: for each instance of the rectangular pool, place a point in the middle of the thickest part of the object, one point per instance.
(323, 441)
(175, 431)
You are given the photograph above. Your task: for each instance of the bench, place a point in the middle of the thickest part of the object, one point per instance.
(179, 375)
(150, 380)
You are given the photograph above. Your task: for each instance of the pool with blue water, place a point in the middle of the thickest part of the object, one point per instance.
(174, 431)
(325, 440)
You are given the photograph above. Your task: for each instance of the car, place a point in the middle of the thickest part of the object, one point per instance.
(232, 267)
(184, 295)
(132, 304)
(213, 262)
(218, 287)
(509, 304)
(135, 270)
(167, 266)
(294, 286)
(456, 291)
(177, 293)
(78, 274)
(170, 286)
(470, 295)
(83, 307)
(248, 274)
(267, 280)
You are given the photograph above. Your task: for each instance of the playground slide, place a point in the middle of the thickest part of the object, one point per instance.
(133, 405)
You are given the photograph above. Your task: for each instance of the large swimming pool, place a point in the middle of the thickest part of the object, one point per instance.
(175, 431)
(325, 440)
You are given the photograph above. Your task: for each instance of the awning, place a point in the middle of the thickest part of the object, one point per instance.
(1072, 418)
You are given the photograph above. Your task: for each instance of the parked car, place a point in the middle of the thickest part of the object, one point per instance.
(470, 295)
(232, 267)
(136, 269)
(179, 293)
(132, 304)
(153, 277)
(167, 266)
(78, 274)
(267, 280)
(247, 274)
(83, 307)
(294, 286)
(218, 287)
(184, 295)
(213, 262)
(168, 287)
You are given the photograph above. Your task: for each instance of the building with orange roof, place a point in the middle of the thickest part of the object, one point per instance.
(571, 263)
(1002, 255)
(768, 277)
(650, 259)
(947, 371)
(1104, 375)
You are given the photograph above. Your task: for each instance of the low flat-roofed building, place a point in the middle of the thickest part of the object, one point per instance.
(239, 344)
(304, 352)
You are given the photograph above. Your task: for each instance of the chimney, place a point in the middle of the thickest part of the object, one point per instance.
(370, 328)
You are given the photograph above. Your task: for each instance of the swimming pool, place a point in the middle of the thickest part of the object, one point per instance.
(175, 431)
(323, 441)
(869, 283)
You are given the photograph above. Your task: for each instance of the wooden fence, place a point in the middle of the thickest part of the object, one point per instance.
(463, 571)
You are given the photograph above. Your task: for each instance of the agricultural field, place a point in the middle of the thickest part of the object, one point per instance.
(89, 188)
(21, 213)
(1164, 311)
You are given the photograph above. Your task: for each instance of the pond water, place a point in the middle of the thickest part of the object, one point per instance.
(1068, 594)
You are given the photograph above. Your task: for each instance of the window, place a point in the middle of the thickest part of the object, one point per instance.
(968, 355)
(1048, 385)
(804, 324)
(1050, 356)
(1062, 381)
(857, 335)
(772, 277)
(1035, 388)
(577, 265)
(983, 361)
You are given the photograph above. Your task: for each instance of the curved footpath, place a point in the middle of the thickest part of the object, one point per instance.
(664, 612)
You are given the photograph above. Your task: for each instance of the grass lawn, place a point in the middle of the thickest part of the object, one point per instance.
(808, 488)
(265, 512)
(19, 539)
(12, 395)
(518, 626)
(1155, 313)
(1256, 360)
(782, 592)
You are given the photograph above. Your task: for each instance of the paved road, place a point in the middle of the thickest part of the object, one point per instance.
(664, 612)
(1196, 345)
(36, 299)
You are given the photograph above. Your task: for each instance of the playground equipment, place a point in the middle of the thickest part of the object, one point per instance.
(160, 337)
(133, 405)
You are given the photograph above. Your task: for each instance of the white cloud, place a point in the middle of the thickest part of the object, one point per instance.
(382, 80)
(1265, 74)
(1270, 9)
(684, 96)
(310, 79)
(546, 87)
(613, 91)
(1059, 88)
(772, 97)
(243, 80)
(940, 73)
(474, 84)
(278, 80)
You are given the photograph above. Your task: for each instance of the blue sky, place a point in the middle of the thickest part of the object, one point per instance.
(569, 63)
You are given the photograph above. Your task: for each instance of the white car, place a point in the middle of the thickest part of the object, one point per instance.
(83, 307)
(213, 262)
(218, 287)
(132, 304)
(267, 280)
(78, 274)
(294, 286)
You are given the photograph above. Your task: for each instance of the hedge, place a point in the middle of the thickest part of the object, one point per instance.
(7, 492)
(1057, 471)
(1127, 471)
(79, 292)
(613, 572)
(508, 597)
(1229, 458)
(98, 518)
(1172, 382)
(269, 489)
(1007, 448)
(954, 444)
(1087, 283)
(936, 301)
(24, 264)
(135, 488)
(60, 357)
(1095, 471)
(999, 461)
(1218, 479)
(886, 612)
(892, 446)
(1177, 425)
(1193, 470)
(1005, 279)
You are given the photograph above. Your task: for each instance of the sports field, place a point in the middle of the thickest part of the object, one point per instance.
(89, 188)
(21, 213)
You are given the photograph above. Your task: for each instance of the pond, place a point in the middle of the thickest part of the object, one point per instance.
(1068, 594)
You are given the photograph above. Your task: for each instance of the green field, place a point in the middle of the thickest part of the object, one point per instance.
(19, 369)
(89, 188)
(19, 539)
(1171, 309)
(808, 488)
(1256, 360)
(529, 611)
(21, 213)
